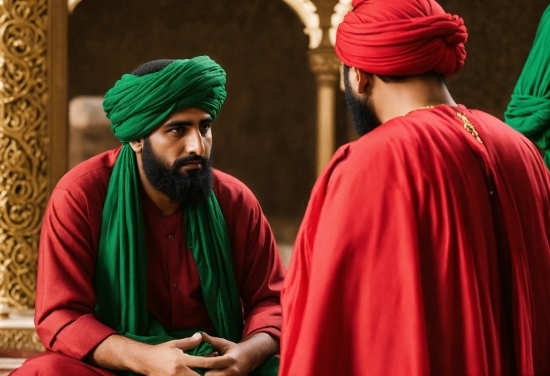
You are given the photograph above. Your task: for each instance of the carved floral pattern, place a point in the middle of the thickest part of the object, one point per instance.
(20, 339)
(23, 147)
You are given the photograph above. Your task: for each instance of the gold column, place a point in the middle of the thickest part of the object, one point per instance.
(326, 67)
(33, 108)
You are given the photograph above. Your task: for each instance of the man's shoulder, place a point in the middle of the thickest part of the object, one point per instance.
(229, 188)
(400, 141)
(91, 172)
(224, 181)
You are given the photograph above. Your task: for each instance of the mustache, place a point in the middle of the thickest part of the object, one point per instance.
(189, 159)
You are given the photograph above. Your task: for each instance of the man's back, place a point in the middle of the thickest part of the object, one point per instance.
(424, 250)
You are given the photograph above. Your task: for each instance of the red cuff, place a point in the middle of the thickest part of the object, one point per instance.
(80, 337)
(265, 318)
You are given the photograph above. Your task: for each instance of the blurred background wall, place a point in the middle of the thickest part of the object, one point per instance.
(265, 133)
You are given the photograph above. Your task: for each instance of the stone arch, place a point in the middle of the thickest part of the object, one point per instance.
(307, 12)
(340, 10)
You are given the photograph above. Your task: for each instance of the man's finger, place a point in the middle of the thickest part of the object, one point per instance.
(217, 362)
(219, 344)
(189, 342)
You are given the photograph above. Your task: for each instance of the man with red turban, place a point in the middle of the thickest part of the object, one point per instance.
(424, 249)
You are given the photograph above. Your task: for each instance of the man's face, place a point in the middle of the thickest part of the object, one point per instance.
(176, 157)
(361, 112)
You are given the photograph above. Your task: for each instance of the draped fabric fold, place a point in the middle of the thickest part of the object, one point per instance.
(529, 109)
(413, 38)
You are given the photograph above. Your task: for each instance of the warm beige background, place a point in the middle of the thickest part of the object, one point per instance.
(265, 133)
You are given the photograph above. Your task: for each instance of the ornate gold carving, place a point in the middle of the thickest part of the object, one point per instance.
(469, 127)
(23, 147)
(20, 339)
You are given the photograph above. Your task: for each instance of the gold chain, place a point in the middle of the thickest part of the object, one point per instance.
(419, 108)
(469, 127)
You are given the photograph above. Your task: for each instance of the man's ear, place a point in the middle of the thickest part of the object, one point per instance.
(137, 145)
(360, 79)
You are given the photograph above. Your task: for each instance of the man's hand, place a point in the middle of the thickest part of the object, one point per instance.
(232, 360)
(237, 359)
(169, 359)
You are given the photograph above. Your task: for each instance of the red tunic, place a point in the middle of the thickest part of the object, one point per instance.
(423, 251)
(65, 300)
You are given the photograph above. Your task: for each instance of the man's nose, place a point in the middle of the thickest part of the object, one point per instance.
(195, 143)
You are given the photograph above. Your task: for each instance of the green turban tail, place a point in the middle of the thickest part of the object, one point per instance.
(138, 104)
(529, 109)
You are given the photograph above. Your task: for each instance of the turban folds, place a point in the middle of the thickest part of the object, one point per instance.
(401, 38)
(529, 109)
(138, 104)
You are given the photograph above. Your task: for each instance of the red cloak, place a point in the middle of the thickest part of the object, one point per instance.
(423, 251)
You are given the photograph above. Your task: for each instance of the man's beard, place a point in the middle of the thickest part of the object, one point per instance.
(362, 115)
(189, 190)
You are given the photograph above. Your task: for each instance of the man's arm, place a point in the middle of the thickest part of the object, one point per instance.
(120, 353)
(65, 298)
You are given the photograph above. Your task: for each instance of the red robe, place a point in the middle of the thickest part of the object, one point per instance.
(423, 251)
(65, 300)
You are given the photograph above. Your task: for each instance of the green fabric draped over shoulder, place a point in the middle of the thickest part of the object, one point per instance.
(529, 109)
(136, 105)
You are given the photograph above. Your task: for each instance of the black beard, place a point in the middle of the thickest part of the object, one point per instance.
(189, 190)
(362, 115)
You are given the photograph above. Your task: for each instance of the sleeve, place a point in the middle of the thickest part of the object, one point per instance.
(65, 299)
(259, 269)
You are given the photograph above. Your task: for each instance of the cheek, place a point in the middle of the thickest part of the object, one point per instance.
(208, 142)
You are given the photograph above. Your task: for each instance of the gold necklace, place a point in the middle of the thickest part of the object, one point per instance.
(420, 108)
(468, 126)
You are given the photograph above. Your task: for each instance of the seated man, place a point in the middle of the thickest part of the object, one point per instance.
(146, 250)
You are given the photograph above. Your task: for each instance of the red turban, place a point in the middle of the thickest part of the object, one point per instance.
(401, 38)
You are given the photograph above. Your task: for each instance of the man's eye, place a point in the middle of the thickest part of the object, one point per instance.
(177, 130)
(205, 127)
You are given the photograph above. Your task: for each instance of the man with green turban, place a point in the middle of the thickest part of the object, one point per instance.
(151, 261)
(529, 109)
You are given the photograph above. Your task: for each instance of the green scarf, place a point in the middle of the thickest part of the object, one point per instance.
(529, 109)
(136, 105)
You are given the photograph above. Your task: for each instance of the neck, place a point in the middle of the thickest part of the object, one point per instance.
(393, 99)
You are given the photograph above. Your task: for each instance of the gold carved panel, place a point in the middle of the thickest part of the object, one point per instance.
(24, 143)
(22, 340)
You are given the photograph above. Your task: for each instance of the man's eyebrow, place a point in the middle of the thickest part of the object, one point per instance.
(185, 123)
(173, 123)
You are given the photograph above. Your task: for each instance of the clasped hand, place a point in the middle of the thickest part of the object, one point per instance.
(168, 359)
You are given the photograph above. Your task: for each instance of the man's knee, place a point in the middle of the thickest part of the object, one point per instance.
(53, 364)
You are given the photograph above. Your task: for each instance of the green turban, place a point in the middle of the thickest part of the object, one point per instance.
(529, 109)
(136, 105)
